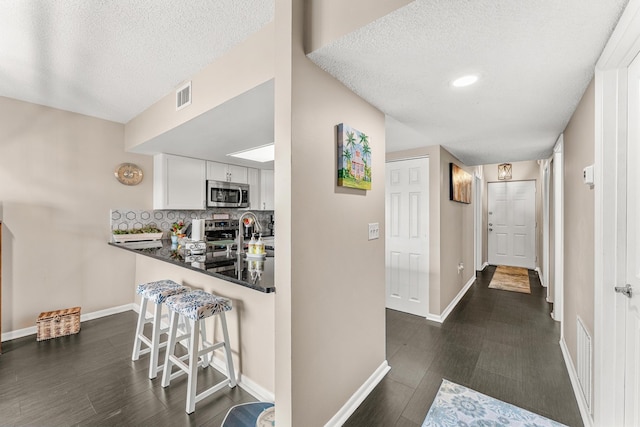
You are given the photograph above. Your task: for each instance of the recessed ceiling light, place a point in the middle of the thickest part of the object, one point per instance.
(264, 153)
(465, 80)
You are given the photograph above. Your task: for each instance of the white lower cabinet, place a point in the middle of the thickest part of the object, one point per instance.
(178, 182)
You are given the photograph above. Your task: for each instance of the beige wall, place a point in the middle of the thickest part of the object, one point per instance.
(579, 223)
(521, 171)
(328, 20)
(329, 277)
(450, 229)
(456, 236)
(56, 170)
(247, 65)
(250, 323)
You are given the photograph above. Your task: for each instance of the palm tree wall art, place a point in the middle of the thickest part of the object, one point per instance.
(354, 158)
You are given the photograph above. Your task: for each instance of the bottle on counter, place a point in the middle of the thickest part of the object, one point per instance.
(260, 249)
(251, 248)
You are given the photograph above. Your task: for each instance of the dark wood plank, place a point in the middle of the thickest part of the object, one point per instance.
(89, 379)
(383, 407)
(502, 344)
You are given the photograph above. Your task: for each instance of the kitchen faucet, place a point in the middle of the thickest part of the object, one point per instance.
(253, 220)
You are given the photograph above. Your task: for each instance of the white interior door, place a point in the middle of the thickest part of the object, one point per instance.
(512, 223)
(407, 236)
(632, 309)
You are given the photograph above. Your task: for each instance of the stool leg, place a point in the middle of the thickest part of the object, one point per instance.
(227, 348)
(155, 341)
(206, 358)
(171, 348)
(193, 367)
(139, 329)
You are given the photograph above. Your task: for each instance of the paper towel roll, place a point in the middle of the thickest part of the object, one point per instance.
(197, 229)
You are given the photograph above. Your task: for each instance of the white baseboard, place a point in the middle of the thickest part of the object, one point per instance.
(587, 420)
(540, 277)
(483, 266)
(442, 317)
(32, 330)
(358, 397)
(245, 383)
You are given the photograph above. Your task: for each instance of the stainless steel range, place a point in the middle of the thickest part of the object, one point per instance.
(220, 233)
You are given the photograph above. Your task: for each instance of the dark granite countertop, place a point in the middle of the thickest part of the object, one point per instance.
(252, 273)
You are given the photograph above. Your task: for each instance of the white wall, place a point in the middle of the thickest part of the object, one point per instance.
(56, 170)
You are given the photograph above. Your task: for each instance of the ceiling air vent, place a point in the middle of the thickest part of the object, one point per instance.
(183, 96)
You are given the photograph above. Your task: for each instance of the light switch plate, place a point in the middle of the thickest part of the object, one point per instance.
(374, 230)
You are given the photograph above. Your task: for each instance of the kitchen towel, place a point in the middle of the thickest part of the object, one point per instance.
(197, 229)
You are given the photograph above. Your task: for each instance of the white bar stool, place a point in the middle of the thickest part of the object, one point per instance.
(156, 293)
(197, 306)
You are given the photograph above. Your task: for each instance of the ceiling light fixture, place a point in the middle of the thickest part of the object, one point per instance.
(263, 153)
(504, 171)
(465, 80)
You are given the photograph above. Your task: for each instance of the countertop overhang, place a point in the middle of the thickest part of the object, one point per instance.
(253, 273)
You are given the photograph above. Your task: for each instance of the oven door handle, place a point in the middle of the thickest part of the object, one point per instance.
(240, 191)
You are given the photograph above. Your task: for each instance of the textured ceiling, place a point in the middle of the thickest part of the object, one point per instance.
(113, 59)
(534, 58)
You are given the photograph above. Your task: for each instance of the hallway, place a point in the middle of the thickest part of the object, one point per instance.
(503, 344)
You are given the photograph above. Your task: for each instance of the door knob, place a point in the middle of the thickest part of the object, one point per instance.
(491, 229)
(490, 224)
(625, 290)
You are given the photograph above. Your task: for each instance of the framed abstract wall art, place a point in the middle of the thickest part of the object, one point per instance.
(354, 158)
(460, 188)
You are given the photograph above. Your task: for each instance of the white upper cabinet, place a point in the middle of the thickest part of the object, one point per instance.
(253, 177)
(178, 182)
(266, 190)
(224, 172)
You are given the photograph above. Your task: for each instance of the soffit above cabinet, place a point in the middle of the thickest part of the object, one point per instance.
(243, 122)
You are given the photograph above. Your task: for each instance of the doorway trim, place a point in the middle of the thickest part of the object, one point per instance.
(558, 216)
(610, 210)
(477, 235)
(545, 225)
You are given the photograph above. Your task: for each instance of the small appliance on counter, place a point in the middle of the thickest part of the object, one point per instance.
(195, 251)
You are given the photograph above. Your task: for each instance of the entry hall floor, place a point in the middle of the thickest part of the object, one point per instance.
(500, 343)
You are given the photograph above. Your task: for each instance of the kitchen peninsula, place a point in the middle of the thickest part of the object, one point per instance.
(252, 273)
(251, 323)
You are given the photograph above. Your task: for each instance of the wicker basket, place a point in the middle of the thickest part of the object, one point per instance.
(58, 323)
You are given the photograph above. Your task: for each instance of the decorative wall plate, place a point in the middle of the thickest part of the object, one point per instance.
(128, 174)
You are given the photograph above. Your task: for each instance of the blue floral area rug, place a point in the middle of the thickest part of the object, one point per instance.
(457, 406)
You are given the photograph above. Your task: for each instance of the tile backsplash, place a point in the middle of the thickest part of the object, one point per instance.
(130, 219)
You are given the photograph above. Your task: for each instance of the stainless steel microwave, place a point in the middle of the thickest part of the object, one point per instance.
(222, 194)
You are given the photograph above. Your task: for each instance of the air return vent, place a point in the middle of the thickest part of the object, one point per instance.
(183, 96)
(584, 361)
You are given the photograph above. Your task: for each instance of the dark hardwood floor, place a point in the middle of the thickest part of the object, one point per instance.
(500, 343)
(503, 344)
(89, 380)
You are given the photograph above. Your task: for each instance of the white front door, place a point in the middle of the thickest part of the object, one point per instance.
(512, 223)
(632, 304)
(407, 236)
